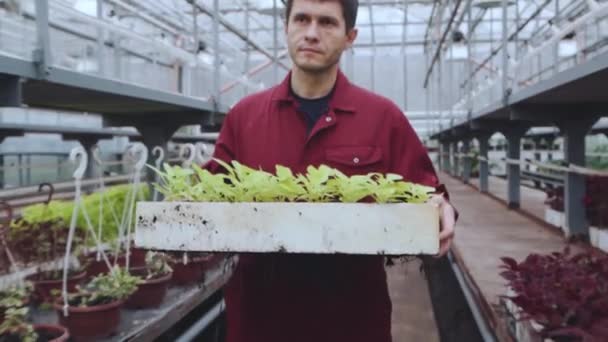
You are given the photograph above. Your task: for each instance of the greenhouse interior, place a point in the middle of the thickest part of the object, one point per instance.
(304, 170)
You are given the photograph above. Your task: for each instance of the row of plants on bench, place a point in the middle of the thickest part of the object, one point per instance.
(566, 294)
(596, 200)
(99, 300)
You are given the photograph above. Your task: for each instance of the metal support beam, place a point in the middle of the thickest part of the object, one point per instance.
(216, 58)
(446, 155)
(455, 158)
(575, 132)
(224, 22)
(505, 52)
(443, 37)
(42, 54)
(514, 136)
(484, 170)
(467, 161)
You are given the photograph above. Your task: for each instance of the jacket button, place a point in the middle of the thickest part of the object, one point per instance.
(328, 119)
(356, 160)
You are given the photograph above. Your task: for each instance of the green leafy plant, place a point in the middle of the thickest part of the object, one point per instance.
(15, 326)
(157, 264)
(319, 184)
(15, 296)
(42, 229)
(103, 289)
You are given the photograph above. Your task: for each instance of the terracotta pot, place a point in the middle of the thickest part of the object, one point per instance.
(192, 272)
(138, 257)
(149, 294)
(44, 287)
(53, 333)
(90, 323)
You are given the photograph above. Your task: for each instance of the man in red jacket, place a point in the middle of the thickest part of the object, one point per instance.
(316, 116)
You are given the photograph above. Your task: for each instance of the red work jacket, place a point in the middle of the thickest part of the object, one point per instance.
(316, 298)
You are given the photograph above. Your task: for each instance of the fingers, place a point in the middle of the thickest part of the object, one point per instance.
(436, 200)
(444, 247)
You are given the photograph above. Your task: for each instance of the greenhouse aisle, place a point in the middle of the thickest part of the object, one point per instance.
(487, 228)
(413, 318)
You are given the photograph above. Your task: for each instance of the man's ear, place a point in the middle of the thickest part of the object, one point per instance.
(351, 36)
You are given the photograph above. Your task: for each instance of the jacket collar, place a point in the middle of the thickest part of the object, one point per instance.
(339, 101)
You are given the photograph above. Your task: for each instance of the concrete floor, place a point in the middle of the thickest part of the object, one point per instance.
(413, 319)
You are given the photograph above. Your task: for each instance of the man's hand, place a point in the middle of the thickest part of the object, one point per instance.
(447, 220)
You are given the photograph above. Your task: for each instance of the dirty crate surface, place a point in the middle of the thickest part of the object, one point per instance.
(352, 228)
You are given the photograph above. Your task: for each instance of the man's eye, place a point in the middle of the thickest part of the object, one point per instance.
(326, 22)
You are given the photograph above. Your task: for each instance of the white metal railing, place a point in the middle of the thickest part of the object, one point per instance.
(544, 61)
(152, 54)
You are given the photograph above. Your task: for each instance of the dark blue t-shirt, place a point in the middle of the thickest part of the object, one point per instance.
(313, 108)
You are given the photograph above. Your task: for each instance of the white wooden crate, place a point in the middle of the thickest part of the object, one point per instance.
(352, 228)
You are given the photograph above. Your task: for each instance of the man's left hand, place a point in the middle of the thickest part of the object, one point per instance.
(447, 220)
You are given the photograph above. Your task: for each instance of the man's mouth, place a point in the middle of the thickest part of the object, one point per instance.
(310, 50)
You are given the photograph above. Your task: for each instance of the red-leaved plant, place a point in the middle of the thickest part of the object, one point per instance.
(567, 294)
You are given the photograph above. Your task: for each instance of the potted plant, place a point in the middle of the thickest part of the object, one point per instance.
(188, 268)
(596, 203)
(156, 277)
(14, 297)
(16, 328)
(565, 295)
(93, 311)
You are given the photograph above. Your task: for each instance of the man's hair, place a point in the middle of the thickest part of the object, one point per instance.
(349, 11)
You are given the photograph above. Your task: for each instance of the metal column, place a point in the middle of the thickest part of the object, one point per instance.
(446, 155)
(100, 40)
(466, 168)
(505, 51)
(42, 54)
(513, 170)
(575, 187)
(484, 142)
(216, 52)
(455, 161)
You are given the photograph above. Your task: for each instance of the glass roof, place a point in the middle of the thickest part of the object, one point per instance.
(395, 38)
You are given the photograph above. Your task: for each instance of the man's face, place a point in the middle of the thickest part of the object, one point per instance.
(316, 35)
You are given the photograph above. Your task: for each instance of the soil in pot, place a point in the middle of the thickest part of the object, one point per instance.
(51, 333)
(46, 333)
(90, 323)
(46, 282)
(151, 292)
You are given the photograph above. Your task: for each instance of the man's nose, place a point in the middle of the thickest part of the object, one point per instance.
(312, 32)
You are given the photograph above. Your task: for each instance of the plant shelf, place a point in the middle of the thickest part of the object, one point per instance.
(323, 228)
